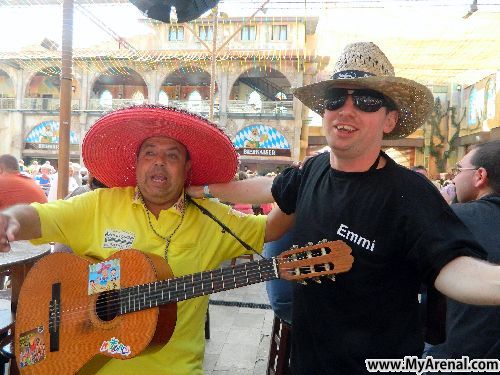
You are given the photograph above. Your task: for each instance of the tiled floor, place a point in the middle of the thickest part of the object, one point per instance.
(239, 336)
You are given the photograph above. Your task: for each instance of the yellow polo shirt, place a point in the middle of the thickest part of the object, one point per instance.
(98, 223)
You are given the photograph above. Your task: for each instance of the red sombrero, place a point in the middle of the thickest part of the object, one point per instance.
(110, 146)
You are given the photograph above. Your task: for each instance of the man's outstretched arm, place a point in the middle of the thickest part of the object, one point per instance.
(254, 190)
(471, 281)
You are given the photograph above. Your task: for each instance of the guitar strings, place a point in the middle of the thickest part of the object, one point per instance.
(239, 275)
(253, 276)
(188, 281)
(192, 283)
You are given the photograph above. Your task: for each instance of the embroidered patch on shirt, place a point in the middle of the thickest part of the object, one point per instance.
(117, 239)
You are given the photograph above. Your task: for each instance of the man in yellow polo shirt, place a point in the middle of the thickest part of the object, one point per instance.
(147, 155)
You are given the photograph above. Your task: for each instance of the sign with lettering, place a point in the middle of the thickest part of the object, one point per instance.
(261, 140)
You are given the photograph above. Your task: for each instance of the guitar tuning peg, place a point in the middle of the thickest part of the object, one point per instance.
(303, 282)
(295, 246)
(332, 277)
(310, 243)
(317, 279)
(324, 240)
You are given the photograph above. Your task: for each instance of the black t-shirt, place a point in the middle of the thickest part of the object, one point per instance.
(401, 232)
(475, 330)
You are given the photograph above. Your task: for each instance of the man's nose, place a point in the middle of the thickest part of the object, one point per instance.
(348, 105)
(160, 159)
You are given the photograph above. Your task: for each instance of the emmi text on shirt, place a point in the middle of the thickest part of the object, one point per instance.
(344, 232)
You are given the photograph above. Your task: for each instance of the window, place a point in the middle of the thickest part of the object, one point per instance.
(106, 99)
(138, 97)
(194, 101)
(206, 32)
(176, 33)
(279, 32)
(249, 33)
(163, 98)
(255, 100)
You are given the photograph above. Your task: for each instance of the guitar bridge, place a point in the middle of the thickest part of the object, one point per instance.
(55, 317)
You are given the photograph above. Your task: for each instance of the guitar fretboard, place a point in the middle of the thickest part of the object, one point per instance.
(150, 295)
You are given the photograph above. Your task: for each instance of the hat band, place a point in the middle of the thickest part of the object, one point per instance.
(347, 74)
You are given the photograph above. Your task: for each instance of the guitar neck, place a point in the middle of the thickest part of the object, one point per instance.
(150, 295)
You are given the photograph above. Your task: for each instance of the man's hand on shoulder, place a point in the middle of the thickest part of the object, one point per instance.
(195, 191)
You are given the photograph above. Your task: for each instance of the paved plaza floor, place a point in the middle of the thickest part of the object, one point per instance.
(239, 336)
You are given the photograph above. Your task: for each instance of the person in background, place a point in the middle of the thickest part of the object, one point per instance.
(474, 331)
(280, 292)
(72, 184)
(420, 169)
(16, 188)
(76, 173)
(84, 175)
(43, 178)
(22, 168)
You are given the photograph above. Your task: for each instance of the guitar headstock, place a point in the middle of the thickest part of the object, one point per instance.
(314, 261)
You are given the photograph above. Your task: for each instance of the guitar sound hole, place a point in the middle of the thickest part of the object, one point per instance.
(108, 305)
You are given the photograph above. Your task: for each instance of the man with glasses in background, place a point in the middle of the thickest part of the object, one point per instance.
(400, 229)
(475, 330)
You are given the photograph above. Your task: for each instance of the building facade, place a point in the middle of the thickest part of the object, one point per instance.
(257, 62)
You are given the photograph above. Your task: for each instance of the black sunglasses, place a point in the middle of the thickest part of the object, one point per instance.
(365, 100)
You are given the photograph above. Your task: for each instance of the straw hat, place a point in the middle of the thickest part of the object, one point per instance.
(364, 65)
(111, 145)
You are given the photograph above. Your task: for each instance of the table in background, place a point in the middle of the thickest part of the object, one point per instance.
(18, 261)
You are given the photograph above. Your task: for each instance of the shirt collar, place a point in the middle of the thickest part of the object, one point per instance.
(178, 207)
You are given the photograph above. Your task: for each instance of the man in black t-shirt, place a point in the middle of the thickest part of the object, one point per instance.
(400, 229)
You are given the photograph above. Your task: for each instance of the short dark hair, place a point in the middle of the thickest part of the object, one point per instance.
(418, 168)
(487, 156)
(9, 162)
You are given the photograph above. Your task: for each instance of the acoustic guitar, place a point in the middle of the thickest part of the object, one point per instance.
(72, 308)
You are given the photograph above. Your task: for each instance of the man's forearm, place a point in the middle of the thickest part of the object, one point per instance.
(470, 281)
(253, 190)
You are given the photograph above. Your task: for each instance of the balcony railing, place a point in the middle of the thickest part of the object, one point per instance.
(107, 105)
(48, 104)
(273, 108)
(7, 103)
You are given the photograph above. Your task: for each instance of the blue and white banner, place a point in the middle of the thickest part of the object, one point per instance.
(45, 136)
(261, 140)
(48, 132)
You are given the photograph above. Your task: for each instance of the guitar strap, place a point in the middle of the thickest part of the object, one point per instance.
(223, 226)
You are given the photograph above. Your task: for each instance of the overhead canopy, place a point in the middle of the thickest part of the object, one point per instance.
(428, 41)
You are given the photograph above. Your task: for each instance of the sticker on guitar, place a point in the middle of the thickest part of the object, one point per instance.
(104, 276)
(32, 347)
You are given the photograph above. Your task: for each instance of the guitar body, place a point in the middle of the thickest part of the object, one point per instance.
(80, 330)
(71, 309)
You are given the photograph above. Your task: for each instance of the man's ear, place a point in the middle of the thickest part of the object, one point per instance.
(480, 178)
(390, 121)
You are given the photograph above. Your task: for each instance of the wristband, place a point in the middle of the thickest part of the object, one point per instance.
(206, 192)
